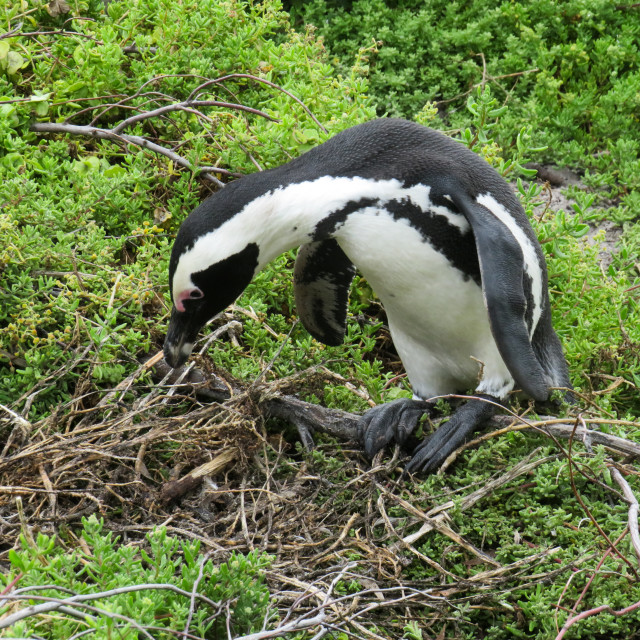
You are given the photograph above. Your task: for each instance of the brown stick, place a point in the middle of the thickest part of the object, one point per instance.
(176, 488)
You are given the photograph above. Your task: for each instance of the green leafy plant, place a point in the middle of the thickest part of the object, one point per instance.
(568, 72)
(107, 589)
(88, 225)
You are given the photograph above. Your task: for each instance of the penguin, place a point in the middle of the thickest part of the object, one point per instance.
(439, 236)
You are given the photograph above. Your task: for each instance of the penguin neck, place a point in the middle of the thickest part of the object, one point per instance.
(302, 212)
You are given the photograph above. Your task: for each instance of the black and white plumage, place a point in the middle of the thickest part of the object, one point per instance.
(439, 236)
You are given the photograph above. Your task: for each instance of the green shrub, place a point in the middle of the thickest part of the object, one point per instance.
(571, 70)
(87, 225)
(133, 585)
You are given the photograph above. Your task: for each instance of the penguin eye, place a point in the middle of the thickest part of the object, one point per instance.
(188, 294)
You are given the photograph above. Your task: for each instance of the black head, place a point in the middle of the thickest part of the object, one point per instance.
(200, 295)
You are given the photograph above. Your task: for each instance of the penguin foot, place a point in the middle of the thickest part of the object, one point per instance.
(392, 421)
(433, 451)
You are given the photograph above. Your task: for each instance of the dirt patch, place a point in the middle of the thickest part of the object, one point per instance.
(557, 180)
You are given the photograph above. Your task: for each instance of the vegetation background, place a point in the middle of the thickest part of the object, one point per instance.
(90, 438)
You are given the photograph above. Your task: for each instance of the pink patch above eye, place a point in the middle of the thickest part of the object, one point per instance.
(187, 294)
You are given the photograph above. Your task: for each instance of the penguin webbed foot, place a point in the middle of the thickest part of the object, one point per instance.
(429, 455)
(393, 421)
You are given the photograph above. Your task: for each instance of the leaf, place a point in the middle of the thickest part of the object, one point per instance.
(42, 108)
(57, 7)
(39, 98)
(80, 57)
(13, 161)
(87, 165)
(14, 62)
(114, 172)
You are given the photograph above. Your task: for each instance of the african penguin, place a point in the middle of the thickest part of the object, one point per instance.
(439, 236)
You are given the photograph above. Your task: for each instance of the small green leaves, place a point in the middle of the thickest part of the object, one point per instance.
(11, 61)
(96, 567)
(87, 165)
(412, 631)
(106, 211)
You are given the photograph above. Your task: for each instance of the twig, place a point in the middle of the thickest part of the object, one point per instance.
(263, 81)
(523, 467)
(591, 517)
(176, 488)
(296, 625)
(586, 614)
(194, 592)
(55, 604)
(282, 345)
(191, 107)
(60, 32)
(439, 526)
(594, 573)
(633, 509)
(560, 429)
(344, 425)
(430, 562)
(17, 419)
(108, 134)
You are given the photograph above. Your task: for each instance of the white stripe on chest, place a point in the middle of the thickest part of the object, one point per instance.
(287, 217)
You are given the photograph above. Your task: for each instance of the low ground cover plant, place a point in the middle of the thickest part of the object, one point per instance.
(87, 218)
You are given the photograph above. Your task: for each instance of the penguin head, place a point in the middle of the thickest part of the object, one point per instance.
(207, 272)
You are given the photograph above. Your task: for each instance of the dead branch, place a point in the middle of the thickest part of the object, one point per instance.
(633, 509)
(176, 488)
(290, 627)
(190, 107)
(273, 85)
(435, 516)
(586, 614)
(80, 600)
(108, 134)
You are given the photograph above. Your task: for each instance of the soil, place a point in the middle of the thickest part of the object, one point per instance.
(557, 179)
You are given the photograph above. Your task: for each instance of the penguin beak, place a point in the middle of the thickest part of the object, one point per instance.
(181, 335)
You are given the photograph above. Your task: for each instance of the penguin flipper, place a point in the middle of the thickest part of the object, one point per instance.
(322, 277)
(502, 268)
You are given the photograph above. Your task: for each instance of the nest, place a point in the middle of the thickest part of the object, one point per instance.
(193, 454)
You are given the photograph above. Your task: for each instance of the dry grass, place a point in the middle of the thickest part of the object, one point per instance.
(211, 471)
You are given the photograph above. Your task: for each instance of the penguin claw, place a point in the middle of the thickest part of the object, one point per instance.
(429, 455)
(393, 421)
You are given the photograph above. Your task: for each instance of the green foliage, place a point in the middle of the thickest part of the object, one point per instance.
(537, 513)
(49, 567)
(88, 226)
(412, 631)
(600, 347)
(569, 70)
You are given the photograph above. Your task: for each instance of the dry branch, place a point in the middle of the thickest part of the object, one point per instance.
(111, 457)
(193, 105)
(343, 425)
(176, 488)
(633, 509)
(108, 134)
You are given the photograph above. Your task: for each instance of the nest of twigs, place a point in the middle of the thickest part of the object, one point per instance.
(193, 454)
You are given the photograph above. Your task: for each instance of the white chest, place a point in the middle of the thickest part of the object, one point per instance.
(437, 318)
